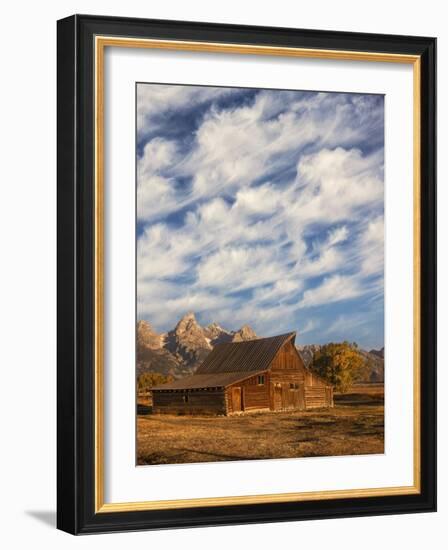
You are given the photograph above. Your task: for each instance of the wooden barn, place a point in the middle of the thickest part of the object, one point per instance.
(264, 374)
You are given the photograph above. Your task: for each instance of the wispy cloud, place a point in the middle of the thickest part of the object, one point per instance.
(309, 326)
(336, 288)
(258, 206)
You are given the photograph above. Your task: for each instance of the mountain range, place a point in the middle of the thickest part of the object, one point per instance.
(180, 351)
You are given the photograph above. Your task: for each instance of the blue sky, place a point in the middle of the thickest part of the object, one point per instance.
(261, 207)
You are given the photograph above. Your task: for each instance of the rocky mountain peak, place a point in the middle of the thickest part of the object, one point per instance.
(187, 341)
(147, 336)
(189, 316)
(378, 352)
(189, 327)
(214, 327)
(179, 351)
(216, 334)
(245, 333)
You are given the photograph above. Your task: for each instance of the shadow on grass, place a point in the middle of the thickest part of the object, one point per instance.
(312, 427)
(354, 399)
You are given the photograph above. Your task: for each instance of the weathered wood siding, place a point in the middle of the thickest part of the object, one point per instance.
(287, 396)
(254, 396)
(312, 379)
(209, 401)
(318, 397)
(288, 358)
(287, 377)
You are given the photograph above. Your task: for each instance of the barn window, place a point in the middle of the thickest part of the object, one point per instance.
(185, 397)
(260, 380)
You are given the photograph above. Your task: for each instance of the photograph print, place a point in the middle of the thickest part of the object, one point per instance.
(259, 274)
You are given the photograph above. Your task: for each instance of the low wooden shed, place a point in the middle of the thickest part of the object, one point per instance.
(263, 374)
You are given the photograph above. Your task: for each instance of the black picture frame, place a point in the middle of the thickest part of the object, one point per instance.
(76, 272)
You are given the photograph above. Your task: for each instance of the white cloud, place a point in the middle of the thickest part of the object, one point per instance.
(155, 195)
(261, 318)
(312, 214)
(335, 184)
(328, 261)
(333, 289)
(158, 154)
(262, 200)
(372, 247)
(153, 100)
(239, 268)
(337, 235)
(343, 324)
(279, 291)
(236, 146)
(158, 255)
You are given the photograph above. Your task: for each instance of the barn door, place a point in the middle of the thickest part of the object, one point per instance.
(277, 397)
(237, 403)
(294, 397)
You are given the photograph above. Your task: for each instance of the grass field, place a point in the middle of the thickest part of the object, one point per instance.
(354, 426)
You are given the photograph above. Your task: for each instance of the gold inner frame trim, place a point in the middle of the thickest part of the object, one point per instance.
(101, 42)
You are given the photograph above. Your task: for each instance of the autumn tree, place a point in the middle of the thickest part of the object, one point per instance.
(149, 379)
(340, 364)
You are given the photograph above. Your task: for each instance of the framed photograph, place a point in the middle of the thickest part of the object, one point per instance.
(246, 274)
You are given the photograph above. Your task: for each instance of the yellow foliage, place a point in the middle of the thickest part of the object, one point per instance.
(340, 364)
(149, 379)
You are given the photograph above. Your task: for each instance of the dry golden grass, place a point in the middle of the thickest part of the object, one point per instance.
(354, 426)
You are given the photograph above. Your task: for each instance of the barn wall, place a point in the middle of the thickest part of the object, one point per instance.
(199, 402)
(287, 377)
(287, 358)
(286, 396)
(318, 397)
(293, 386)
(312, 379)
(255, 396)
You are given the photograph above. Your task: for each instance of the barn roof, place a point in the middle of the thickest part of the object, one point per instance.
(231, 362)
(249, 356)
(197, 381)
